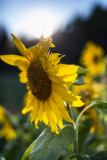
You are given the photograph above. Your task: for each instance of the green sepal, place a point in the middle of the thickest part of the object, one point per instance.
(79, 81)
(82, 70)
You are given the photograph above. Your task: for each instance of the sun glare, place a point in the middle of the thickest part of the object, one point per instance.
(39, 23)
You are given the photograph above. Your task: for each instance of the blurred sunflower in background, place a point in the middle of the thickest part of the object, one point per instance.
(89, 92)
(6, 129)
(92, 58)
(47, 83)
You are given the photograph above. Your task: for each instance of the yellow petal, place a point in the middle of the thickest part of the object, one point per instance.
(65, 115)
(61, 107)
(22, 65)
(44, 46)
(36, 123)
(41, 111)
(53, 59)
(52, 70)
(29, 99)
(77, 103)
(45, 119)
(65, 94)
(15, 60)
(21, 47)
(50, 118)
(43, 62)
(57, 98)
(35, 51)
(68, 96)
(52, 45)
(23, 77)
(34, 112)
(27, 109)
(70, 79)
(56, 79)
(56, 112)
(64, 69)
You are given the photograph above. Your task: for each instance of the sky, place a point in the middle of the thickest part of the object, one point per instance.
(32, 17)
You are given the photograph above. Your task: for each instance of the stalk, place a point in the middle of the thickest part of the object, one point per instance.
(77, 122)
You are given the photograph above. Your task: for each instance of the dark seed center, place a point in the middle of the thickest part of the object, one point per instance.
(38, 81)
(96, 59)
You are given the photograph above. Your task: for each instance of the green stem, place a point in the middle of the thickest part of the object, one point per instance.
(71, 115)
(74, 150)
(77, 122)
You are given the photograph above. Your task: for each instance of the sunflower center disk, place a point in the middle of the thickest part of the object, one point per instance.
(38, 81)
(96, 59)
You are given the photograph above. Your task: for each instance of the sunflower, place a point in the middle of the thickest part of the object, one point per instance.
(89, 92)
(6, 130)
(92, 58)
(47, 82)
(96, 125)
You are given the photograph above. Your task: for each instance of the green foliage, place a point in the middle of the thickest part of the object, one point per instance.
(79, 81)
(27, 152)
(76, 157)
(82, 70)
(84, 129)
(101, 104)
(2, 158)
(98, 156)
(50, 145)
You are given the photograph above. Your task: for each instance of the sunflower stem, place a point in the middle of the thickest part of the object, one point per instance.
(77, 123)
(74, 149)
(71, 115)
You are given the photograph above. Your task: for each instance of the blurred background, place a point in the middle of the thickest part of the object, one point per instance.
(70, 23)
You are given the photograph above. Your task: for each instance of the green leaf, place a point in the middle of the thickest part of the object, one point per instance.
(101, 104)
(27, 152)
(98, 156)
(76, 157)
(101, 155)
(79, 81)
(82, 70)
(49, 145)
(83, 134)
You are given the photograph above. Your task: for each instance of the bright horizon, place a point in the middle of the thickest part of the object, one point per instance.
(30, 17)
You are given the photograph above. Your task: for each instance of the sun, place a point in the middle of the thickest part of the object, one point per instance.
(40, 22)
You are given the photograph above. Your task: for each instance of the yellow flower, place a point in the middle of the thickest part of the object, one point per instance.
(90, 92)
(47, 83)
(92, 58)
(6, 130)
(96, 125)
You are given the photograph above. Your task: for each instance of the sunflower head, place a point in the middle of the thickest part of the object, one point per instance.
(90, 91)
(47, 82)
(96, 125)
(6, 130)
(37, 77)
(92, 58)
